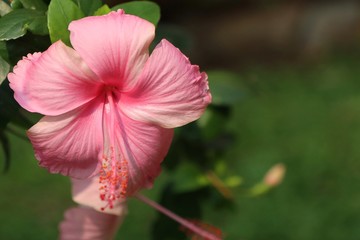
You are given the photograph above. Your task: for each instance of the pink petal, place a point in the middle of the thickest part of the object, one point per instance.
(53, 82)
(170, 92)
(71, 143)
(133, 152)
(17, 82)
(144, 147)
(115, 46)
(82, 223)
(86, 192)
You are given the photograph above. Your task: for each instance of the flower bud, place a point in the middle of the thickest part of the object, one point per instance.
(275, 175)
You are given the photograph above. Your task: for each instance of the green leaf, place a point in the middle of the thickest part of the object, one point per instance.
(4, 69)
(233, 181)
(34, 4)
(9, 108)
(188, 177)
(3, 51)
(102, 11)
(212, 123)
(60, 14)
(89, 6)
(39, 26)
(15, 24)
(144, 9)
(29, 43)
(225, 87)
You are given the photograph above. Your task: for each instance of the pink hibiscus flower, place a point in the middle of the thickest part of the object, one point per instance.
(110, 107)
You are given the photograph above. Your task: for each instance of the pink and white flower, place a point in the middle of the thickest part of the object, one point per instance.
(109, 106)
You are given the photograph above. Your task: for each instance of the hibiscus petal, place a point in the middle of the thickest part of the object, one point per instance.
(86, 192)
(53, 82)
(82, 223)
(71, 143)
(17, 79)
(142, 147)
(115, 46)
(170, 91)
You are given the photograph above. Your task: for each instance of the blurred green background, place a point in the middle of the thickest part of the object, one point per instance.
(285, 80)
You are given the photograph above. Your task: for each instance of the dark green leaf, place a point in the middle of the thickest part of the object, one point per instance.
(3, 51)
(60, 14)
(225, 87)
(9, 109)
(6, 149)
(103, 10)
(4, 69)
(144, 9)
(34, 4)
(29, 43)
(188, 177)
(15, 24)
(89, 6)
(212, 123)
(177, 35)
(39, 26)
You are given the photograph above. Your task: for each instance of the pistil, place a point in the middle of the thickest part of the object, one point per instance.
(113, 177)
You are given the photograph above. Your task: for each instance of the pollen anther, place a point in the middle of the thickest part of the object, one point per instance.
(113, 178)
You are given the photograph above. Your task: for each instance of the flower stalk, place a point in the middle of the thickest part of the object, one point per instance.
(191, 226)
